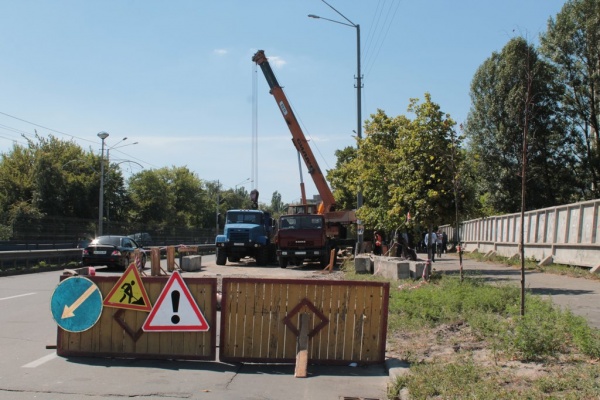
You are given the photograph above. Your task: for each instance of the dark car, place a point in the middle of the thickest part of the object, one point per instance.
(112, 251)
(143, 238)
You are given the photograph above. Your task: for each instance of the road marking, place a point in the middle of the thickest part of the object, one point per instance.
(19, 295)
(40, 361)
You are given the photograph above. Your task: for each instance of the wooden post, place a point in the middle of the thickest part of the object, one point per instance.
(155, 262)
(302, 348)
(171, 258)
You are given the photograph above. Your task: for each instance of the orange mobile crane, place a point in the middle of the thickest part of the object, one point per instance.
(336, 220)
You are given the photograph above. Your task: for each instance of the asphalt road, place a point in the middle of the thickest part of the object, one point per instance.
(29, 370)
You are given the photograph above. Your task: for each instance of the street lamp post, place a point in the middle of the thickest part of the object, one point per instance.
(102, 136)
(242, 182)
(359, 197)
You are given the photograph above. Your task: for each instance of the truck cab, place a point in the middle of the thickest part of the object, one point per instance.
(302, 237)
(247, 233)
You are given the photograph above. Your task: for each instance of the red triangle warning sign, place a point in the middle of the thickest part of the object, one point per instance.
(175, 310)
(129, 292)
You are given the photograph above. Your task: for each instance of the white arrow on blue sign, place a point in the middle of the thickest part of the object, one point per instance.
(76, 304)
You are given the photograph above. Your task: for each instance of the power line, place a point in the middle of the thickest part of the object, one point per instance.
(387, 24)
(57, 131)
(45, 127)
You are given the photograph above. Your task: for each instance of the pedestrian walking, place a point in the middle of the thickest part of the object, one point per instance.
(430, 243)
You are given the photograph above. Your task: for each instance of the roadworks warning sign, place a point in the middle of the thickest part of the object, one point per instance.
(175, 310)
(129, 292)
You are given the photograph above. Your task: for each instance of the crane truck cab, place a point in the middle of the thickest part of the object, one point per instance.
(247, 233)
(302, 237)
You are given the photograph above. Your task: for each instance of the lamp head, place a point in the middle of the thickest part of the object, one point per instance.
(313, 16)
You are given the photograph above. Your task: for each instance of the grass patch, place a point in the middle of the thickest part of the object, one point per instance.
(468, 339)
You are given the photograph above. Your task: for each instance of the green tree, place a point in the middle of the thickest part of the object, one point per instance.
(167, 197)
(421, 167)
(343, 179)
(403, 166)
(571, 45)
(277, 205)
(44, 184)
(496, 124)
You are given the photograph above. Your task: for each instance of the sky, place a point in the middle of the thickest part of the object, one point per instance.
(177, 77)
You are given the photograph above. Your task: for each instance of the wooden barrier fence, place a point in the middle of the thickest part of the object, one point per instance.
(118, 332)
(260, 322)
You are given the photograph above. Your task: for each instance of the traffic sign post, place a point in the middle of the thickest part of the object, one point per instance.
(76, 304)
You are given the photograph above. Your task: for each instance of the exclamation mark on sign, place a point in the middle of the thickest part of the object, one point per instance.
(175, 301)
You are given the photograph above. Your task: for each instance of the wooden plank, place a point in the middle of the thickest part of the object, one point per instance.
(348, 301)
(237, 340)
(258, 323)
(360, 292)
(276, 327)
(130, 319)
(190, 340)
(295, 294)
(266, 315)
(371, 324)
(97, 328)
(302, 347)
(153, 290)
(327, 332)
(249, 319)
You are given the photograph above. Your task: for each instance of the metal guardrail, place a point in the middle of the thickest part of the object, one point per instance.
(30, 258)
(27, 259)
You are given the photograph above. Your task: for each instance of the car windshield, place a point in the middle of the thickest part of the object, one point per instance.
(301, 222)
(108, 240)
(243, 218)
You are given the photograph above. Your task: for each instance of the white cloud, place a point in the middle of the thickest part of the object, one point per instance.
(277, 61)
(220, 52)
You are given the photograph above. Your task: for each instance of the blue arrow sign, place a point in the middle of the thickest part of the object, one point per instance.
(76, 304)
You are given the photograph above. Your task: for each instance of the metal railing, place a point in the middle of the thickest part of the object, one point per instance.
(27, 259)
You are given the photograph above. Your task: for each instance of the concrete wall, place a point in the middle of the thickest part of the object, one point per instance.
(570, 234)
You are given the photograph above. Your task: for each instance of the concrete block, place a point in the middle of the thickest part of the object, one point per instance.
(362, 264)
(392, 268)
(595, 270)
(191, 263)
(416, 269)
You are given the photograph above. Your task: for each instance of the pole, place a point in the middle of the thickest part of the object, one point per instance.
(101, 200)
(108, 200)
(359, 197)
(217, 212)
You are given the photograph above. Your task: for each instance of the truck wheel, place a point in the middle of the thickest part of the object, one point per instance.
(283, 262)
(325, 258)
(221, 256)
(262, 256)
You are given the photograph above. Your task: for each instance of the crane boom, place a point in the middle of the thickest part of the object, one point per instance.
(298, 138)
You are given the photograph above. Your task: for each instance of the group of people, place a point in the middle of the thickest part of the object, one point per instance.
(435, 242)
